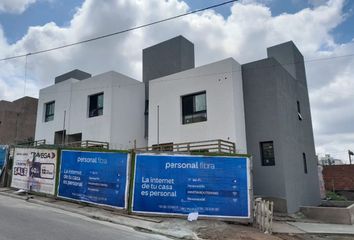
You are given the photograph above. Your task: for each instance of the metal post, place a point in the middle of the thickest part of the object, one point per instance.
(63, 136)
(158, 124)
(350, 154)
(25, 83)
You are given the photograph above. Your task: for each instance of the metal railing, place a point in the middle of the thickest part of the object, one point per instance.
(87, 144)
(216, 146)
(32, 143)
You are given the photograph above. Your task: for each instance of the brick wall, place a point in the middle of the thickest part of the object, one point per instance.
(339, 177)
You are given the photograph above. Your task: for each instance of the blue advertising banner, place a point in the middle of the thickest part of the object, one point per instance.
(182, 184)
(3, 153)
(94, 177)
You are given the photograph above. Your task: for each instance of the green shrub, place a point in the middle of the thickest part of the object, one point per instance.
(334, 196)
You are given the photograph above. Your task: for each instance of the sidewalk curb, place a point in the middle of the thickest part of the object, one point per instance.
(96, 216)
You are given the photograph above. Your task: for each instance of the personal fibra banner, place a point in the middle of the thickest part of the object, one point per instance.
(35, 170)
(212, 186)
(95, 177)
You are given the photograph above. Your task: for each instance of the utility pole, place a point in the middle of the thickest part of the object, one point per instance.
(350, 154)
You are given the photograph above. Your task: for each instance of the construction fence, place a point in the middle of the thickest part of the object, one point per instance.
(146, 183)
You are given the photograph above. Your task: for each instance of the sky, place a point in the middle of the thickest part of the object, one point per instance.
(242, 30)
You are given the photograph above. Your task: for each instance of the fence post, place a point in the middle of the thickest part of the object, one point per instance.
(263, 215)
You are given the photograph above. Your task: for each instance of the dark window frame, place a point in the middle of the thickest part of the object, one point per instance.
(189, 113)
(49, 116)
(95, 111)
(304, 159)
(267, 161)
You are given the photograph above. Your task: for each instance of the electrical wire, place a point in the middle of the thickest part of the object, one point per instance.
(120, 32)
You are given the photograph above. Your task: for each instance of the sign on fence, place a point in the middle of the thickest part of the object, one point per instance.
(94, 177)
(183, 184)
(34, 169)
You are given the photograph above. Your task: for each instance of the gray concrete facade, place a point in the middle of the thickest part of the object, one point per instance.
(18, 120)
(76, 74)
(168, 57)
(273, 88)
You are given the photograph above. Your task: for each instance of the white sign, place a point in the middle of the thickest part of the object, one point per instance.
(35, 170)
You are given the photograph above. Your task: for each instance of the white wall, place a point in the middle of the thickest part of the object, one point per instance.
(222, 82)
(93, 128)
(60, 93)
(128, 114)
(120, 123)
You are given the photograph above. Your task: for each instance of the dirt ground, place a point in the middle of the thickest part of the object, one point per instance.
(249, 233)
(314, 237)
(235, 232)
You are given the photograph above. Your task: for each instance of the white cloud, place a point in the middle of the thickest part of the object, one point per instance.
(15, 6)
(244, 35)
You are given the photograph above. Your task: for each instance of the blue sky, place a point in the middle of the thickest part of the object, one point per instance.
(61, 11)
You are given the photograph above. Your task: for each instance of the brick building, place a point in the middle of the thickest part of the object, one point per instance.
(339, 177)
(18, 120)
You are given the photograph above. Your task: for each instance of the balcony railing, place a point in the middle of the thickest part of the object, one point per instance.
(32, 143)
(87, 144)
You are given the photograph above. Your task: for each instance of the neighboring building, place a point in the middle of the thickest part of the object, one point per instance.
(263, 106)
(328, 160)
(18, 120)
(339, 178)
(108, 107)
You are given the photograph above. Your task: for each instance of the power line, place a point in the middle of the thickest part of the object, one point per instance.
(194, 76)
(120, 32)
(329, 58)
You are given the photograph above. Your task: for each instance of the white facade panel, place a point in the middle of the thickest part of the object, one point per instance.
(222, 82)
(120, 124)
(59, 93)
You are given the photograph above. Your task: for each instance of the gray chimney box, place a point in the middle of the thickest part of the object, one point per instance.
(168, 57)
(76, 74)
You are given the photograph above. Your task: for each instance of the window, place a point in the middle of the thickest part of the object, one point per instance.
(96, 105)
(49, 111)
(305, 162)
(267, 153)
(59, 137)
(298, 110)
(194, 108)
